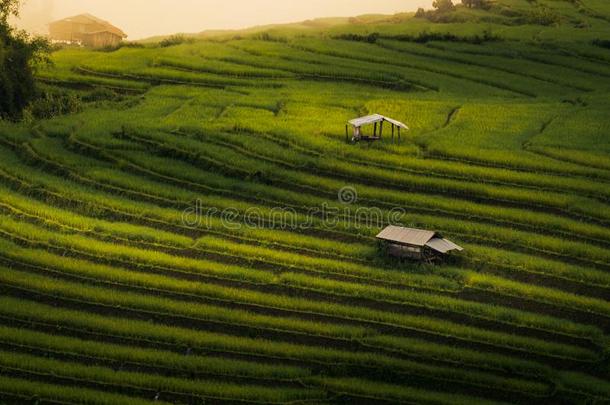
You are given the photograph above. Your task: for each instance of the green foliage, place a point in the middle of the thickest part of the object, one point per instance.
(175, 40)
(101, 94)
(19, 54)
(443, 6)
(8, 8)
(442, 11)
(427, 36)
(51, 104)
(542, 15)
(370, 38)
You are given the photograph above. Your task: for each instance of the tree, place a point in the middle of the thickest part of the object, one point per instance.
(19, 54)
(421, 13)
(443, 5)
(7, 9)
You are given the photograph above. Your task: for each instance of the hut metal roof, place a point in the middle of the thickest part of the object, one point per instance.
(417, 237)
(407, 236)
(371, 119)
(443, 245)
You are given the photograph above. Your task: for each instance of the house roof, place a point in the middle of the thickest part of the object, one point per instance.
(371, 119)
(417, 237)
(91, 19)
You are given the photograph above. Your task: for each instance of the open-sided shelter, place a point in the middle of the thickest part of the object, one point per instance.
(377, 121)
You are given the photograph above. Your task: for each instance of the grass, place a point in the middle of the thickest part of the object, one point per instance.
(25, 389)
(203, 313)
(259, 347)
(64, 346)
(150, 284)
(146, 385)
(378, 391)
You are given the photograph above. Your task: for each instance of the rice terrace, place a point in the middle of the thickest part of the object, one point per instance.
(192, 219)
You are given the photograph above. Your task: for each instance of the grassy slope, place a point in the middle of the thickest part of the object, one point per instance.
(109, 297)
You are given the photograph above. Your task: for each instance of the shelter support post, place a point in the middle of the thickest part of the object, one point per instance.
(380, 129)
(375, 130)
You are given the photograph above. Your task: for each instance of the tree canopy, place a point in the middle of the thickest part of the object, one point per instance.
(7, 9)
(443, 5)
(19, 53)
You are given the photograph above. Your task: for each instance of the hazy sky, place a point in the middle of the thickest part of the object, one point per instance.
(144, 18)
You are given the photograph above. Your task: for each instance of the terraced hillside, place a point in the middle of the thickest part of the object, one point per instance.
(166, 243)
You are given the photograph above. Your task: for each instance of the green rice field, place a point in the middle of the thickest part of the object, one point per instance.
(183, 237)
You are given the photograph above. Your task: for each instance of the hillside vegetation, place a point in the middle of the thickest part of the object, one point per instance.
(110, 296)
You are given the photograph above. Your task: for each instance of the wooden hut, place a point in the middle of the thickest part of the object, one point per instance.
(377, 121)
(87, 30)
(415, 243)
